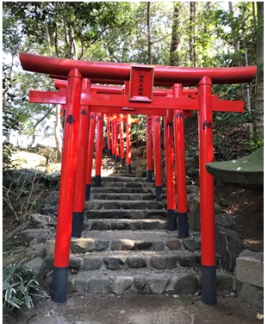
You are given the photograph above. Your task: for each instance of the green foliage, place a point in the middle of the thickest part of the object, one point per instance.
(231, 133)
(138, 130)
(255, 142)
(229, 120)
(117, 31)
(67, 29)
(7, 150)
(20, 288)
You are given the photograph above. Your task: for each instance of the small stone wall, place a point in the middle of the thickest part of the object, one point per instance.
(248, 277)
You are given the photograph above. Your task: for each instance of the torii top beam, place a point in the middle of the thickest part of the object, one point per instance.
(121, 71)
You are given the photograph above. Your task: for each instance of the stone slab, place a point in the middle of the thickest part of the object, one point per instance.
(251, 295)
(123, 213)
(228, 247)
(250, 270)
(246, 170)
(123, 204)
(194, 214)
(135, 281)
(120, 284)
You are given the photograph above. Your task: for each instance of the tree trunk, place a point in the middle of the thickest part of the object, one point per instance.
(192, 49)
(36, 124)
(57, 125)
(207, 9)
(259, 103)
(175, 36)
(235, 41)
(149, 44)
(33, 138)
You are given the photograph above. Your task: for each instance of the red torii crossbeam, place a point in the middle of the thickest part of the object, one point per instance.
(117, 73)
(167, 75)
(113, 103)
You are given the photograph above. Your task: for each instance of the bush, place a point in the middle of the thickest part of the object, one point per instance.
(23, 191)
(20, 288)
(255, 142)
(7, 150)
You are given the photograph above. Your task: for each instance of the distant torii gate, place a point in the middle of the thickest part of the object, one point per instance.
(139, 100)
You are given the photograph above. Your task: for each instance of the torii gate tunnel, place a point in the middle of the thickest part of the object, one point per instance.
(135, 93)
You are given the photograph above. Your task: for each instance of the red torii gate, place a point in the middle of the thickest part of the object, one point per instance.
(57, 97)
(118, 73)
(50, 97)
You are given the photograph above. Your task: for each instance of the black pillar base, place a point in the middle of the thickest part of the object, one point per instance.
(171, 220)
(149, 176)
(123, 162)
(159, 193)
(77, 225)
(88, 188)
(183, 225)
(97, 181)
(59, 284)
(113, 156)
(109, 152)
(209, 285)
(129, 168)
(117, 158)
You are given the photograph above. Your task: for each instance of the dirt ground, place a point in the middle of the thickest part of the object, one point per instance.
(85, 309)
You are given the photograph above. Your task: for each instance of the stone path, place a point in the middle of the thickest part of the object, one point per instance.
(125, 247)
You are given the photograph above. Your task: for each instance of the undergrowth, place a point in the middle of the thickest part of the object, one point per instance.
(20, 288)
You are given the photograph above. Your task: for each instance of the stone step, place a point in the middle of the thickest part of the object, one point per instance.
(114, 189)
(149, 188)
(127, 240)
(112, 178)
(125, 224)
(181, 281)
(125, 260)
(123, 196)
(124, 204)
(127, 184)
(126, 213)
(132, 281)
(111, 260)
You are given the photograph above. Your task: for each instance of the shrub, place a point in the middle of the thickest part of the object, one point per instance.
(20, 288)
(255, 142)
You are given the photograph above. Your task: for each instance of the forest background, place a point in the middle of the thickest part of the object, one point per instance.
(188, 34)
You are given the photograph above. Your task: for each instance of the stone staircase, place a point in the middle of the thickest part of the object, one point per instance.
(125, 246)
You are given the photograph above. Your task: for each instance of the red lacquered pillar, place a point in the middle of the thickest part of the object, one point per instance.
(128, 143)
(112, 136)
(181, 188)
(170, 181)
(99, 149)
(117, 157)
(65, 209)
(102, 140)
(90, 151)
(157, 156)
(149, 155)
(109, 136)
(122, 141)
(80, 176)
(62, 112)
(208, 258)
(115, 136)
